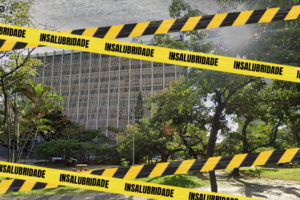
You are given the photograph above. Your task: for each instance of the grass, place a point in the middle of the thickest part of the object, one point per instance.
(182, 180)
(292, 174)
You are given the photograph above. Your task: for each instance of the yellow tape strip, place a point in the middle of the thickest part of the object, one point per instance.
(288, 155)
(133, 172)
(89, 32)
(113, 32)
(27, 186)
(165, 26)
(210, 164)
(294, 13)
(4, 185)
(158, 170)
(236, 161)
(268, 15)
(139, 29)
(242, 18)
(185, 166)
(155, 54)
(191, 23)
(104, 184)
(262, 158)
(217, 21)
(109, 172)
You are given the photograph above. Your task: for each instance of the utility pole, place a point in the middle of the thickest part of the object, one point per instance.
(133, 141)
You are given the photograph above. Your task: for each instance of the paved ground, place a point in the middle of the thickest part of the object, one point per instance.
(259, 188)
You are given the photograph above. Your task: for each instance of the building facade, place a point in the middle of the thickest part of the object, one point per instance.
(100, 91)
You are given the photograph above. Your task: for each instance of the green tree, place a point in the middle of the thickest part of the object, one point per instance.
(180, 107)
(16, 67)
(150, 140)
(214, 88)
(29, 113)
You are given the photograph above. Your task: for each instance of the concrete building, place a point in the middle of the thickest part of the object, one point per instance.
(100, 91)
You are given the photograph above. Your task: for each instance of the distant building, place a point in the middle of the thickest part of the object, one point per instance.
(100, 91)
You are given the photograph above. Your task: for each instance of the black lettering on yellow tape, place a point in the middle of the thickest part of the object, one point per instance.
(157, 54)
(177, 25)
(258, 68)
(12, 32)
(170, 168)
(129, 49)
(201, 196)
(188, 58)
(64, 40)
(108, 184)
(9, 169)
(159, 191)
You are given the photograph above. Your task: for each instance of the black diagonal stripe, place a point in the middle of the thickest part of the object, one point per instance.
(121, 172)
(249, 160)
(171, 169)
(78, 31)
(101, 32)
(223, 163)
(198, 164)
(146, 170)
(15, 186)
(98, 172)
(20, 45)
(230, 19)
(2, 42)
(275, 157)
(152, 27)
(126, 30)
(39, 185)
(178, 24)
(256, 16)
(296, 157)
(281, 14)
(204, 21)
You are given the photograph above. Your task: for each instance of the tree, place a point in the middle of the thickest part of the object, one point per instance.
(81, 144)
(259, 116)
(18, 67)
(214, 88)
(27, 116)
(180, 109)
(150, 140)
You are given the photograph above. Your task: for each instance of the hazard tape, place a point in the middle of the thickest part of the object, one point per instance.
(151, 53)
(177, 25)
(107, 184)
(171, 168)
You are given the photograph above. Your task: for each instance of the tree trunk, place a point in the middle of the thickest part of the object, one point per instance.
(213, 181)
(32, 146)
(236, 172)
(190, 150)
(8, 134)
(164, 157)
(212, 142)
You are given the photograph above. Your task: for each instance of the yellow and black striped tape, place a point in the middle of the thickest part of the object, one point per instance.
(170, 168)
(150, 53)
(108, 184)
(176, 25)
